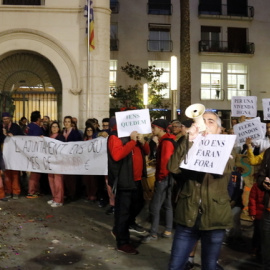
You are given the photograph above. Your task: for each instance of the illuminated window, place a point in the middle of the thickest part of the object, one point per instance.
(211, 81)
(113, 74)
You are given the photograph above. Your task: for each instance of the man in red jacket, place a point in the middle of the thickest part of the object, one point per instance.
(163, 184)
(126, 167)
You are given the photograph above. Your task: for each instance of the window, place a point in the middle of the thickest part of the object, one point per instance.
(212, 7)
(210, 38)
(160, 38)
(159, 7)
(114, 6)
(211, 81)
(165, 77)
(114, 37)
(24, 2)
(113, 74)
(237, 80)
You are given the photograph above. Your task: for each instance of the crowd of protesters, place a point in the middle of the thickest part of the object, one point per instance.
(204, 207)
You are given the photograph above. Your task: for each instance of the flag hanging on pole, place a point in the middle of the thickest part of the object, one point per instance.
(89, 14)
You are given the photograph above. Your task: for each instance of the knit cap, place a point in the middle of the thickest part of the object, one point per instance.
(161, 123)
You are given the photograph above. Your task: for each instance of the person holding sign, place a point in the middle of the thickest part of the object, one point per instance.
(263, 182)
(203, 210)
(56, 180)
(12, 177)
(126, 167)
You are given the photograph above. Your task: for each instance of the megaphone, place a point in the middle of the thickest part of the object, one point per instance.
(196, 111)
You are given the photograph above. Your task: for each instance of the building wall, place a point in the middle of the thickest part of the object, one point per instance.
(57, 31)
(133, 33)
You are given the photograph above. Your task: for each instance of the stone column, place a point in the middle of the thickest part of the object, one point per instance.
(94, 100)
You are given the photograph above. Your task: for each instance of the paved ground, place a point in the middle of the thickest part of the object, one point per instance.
(35, 236)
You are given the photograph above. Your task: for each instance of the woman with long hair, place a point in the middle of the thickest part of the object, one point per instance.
(90, 181)
(71, 134)
(56, 180)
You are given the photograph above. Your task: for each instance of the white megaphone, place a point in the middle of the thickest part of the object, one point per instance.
(196, 111)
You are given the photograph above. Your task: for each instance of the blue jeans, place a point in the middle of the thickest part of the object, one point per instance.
(265, 237)
(162, 196)
(185, 239)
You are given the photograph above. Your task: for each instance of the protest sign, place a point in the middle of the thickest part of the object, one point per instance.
(209, 153)
(46, 155)
(244, 106)
(248, 129)
(266, 108)
(135, 120)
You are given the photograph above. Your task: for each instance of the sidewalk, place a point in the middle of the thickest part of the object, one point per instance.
(35, 236)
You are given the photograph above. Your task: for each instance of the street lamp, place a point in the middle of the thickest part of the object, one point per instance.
(174, 85)
(145, 95)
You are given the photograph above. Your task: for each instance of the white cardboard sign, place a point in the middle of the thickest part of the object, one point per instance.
(248, 129)
(209, 153)
(244, 106)
(266, 108)
(135, 120)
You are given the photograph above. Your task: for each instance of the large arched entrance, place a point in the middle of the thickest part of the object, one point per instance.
(33, 83)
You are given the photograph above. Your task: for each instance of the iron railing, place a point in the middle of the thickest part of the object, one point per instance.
(24, 2)
(212, 94)
(226, 10)
(159, 9)
(225, 46)
(159, 45)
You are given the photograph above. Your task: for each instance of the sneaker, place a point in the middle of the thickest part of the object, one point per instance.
(32, 196)
(128, 249)
(15, 196)
(136, 228)
(166, 234)
(55, 204)
(50, 202)
(102, 203)
(8, 196)
(149, 238)
(189, 266)
(110, 211)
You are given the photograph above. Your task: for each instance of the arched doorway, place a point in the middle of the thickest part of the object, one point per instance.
(33, 83)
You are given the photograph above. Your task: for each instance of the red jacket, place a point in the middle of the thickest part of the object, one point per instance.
(164, 152)
(255, 204)
(119, 151)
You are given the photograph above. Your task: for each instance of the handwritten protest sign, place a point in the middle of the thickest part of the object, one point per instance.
(46, 155)
(209, 153)
(135, 120)
(266, 108)
(248, 129)
(244, 106)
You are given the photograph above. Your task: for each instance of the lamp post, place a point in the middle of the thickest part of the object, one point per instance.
(174, 85)
(145, 95)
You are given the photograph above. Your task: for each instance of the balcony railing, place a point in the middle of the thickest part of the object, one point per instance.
(159, 45)
(159, 9)
(24, 2)
(212, 94)
(225, 10)
(225, 47)
(114, 6)
(114, 44)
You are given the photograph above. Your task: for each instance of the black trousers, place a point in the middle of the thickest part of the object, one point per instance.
(128, 204)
